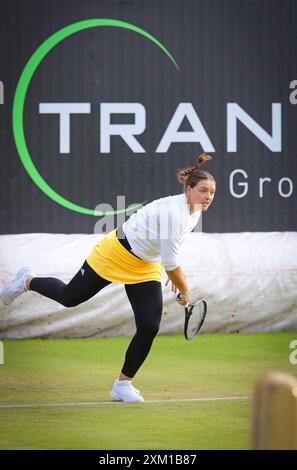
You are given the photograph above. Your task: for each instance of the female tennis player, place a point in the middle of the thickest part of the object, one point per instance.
(134, 254)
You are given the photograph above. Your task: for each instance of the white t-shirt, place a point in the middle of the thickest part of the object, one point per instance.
(156, 231)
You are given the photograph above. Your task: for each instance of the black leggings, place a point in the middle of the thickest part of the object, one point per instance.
(145, 298)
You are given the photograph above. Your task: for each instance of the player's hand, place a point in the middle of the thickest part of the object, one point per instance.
(173, 286)
(174, 289)
(183, 298)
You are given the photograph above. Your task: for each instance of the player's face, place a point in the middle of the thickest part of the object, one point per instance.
(202, 194)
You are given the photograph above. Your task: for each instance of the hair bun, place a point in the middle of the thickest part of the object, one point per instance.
(202, 159)
(192, 175)
(184, 174)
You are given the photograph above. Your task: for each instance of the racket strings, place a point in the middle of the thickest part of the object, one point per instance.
(196, 319)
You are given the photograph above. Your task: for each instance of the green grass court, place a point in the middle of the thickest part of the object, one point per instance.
(46, 374)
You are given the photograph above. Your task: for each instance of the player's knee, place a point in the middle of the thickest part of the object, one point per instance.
(150, 329)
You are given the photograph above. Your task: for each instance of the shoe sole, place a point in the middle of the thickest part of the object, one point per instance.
(117, 397)
(16, 294)
(8, 299)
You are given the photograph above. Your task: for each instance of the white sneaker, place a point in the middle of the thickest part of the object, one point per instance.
(17, 286)
(136, 389)
(123, 390)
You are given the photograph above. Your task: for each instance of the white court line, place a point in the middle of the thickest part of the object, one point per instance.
(98, 403)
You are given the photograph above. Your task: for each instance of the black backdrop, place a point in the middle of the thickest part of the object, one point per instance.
(228, 51)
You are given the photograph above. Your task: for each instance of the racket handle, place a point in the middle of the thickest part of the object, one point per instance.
(179, 297)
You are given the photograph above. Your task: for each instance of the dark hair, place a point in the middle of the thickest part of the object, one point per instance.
(192, 175)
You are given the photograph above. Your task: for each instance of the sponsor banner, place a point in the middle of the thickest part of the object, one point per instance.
(100, 103)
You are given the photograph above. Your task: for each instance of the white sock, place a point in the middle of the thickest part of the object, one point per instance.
(122, 382)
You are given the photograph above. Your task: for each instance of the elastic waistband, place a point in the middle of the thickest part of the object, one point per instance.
(123, 240)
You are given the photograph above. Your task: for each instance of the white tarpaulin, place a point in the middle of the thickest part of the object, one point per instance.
(248, 279)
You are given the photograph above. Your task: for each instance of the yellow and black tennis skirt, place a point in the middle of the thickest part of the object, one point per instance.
(113, 262)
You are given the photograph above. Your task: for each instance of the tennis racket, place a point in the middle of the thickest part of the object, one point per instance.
(195, 314)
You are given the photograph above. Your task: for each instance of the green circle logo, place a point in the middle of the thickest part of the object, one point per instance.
(20, 96)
